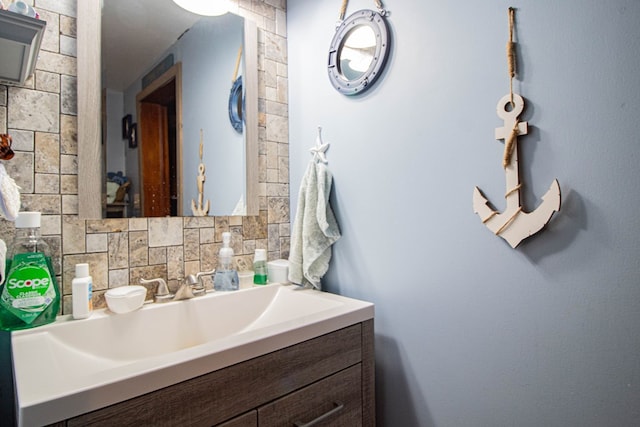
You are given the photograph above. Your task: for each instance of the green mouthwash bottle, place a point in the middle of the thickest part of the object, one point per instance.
(260, 267)
(30, 295)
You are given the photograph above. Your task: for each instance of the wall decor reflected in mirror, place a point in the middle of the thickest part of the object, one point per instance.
(126, 126)
(174, 79)
(133, 137)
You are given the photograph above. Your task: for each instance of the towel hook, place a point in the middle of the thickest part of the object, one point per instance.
(320, 149)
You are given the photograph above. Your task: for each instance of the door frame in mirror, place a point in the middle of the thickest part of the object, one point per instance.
(89, 112)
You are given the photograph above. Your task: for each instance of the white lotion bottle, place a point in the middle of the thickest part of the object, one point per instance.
(81, 292)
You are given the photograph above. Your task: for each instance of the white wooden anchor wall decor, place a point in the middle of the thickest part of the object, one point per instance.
(514, 225)
(199, 209)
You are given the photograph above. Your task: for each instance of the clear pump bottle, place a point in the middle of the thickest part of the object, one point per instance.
(226, 277)
(30, 295)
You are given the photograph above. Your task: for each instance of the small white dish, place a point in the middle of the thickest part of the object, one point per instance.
(125, 298)
(278, 271)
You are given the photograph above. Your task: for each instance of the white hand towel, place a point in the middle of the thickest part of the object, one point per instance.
(3, 260)
(9, 196)
(315, 228)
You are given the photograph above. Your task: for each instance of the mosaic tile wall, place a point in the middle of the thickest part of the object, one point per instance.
(41, 116)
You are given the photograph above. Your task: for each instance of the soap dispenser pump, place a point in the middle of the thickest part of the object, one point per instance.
(226, 277)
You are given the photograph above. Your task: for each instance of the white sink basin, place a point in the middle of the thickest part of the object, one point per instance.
(75, 366)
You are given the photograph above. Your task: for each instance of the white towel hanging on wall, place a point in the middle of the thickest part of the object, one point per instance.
(315, 227)
(9, 196)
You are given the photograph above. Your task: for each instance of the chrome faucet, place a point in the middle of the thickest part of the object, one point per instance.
(190, 288)
(186, 289)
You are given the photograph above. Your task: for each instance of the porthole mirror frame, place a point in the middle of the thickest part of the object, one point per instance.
(236, 105)
(377, 23)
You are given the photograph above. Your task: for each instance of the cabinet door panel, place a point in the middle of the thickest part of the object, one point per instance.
(334, 401)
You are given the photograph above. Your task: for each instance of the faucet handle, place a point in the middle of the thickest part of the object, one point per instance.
(199, 276)
(205, 273)
(162, 293)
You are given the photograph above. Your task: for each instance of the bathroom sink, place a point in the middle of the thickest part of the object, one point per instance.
(72, 367)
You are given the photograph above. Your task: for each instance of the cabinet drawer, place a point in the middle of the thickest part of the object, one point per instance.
(249, 419)
(333, 401)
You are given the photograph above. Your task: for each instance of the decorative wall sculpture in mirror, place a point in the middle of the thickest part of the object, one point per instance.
(358, 51)
(185, 88)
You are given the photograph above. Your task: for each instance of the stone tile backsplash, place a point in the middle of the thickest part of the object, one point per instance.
(41, 116)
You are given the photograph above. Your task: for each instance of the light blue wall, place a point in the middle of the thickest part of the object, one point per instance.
(470, 332)
(209, 54)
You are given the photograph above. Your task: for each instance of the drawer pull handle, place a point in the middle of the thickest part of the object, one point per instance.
(338, 407)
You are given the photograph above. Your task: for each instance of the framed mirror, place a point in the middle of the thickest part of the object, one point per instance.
(184, 70)
(358, 52)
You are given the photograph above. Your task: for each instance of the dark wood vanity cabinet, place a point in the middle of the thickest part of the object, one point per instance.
(325, 381)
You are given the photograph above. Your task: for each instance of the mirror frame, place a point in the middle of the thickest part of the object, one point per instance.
(378, 25)
(90, 173)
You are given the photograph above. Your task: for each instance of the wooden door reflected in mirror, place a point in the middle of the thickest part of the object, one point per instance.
(159, 111)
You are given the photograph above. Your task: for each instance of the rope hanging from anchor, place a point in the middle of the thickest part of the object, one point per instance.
(511, 63)
(509, 144)
(511, 52)
(343, 8)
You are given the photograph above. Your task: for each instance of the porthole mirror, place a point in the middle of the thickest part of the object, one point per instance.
(236, 105)
(358, 51)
